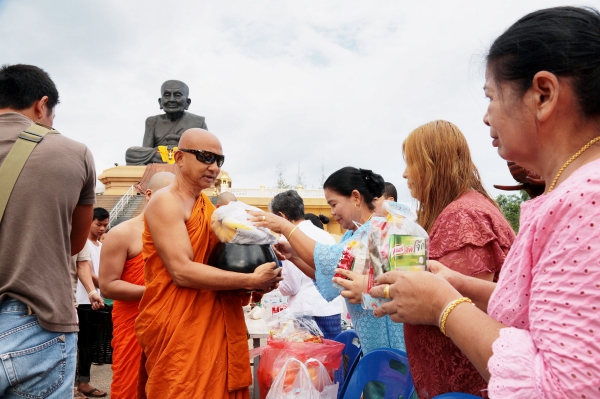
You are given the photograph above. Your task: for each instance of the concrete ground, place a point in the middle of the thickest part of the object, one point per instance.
(102, 375)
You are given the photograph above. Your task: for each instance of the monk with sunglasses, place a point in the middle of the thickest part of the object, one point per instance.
(191, 324)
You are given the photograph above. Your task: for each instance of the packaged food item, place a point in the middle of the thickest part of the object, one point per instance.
(292, 328)
(231, 224)
(354, 257)
(395, 242)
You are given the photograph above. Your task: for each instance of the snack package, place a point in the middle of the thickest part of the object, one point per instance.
(354, 257)
(289, 327)
(231, 224)
(395, 242)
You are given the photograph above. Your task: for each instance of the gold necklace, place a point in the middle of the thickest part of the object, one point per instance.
(574, 157)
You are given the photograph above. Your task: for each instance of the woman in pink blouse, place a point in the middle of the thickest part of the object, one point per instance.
(535, 333)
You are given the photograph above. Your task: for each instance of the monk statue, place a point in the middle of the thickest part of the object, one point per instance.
(166, 130)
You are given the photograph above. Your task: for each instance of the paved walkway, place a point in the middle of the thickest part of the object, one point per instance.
(102, 375)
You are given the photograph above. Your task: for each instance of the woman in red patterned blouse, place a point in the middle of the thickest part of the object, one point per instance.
(468, 233)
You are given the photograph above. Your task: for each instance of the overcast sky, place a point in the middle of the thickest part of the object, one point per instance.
(315, 85)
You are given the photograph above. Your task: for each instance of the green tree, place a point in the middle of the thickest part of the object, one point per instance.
(510, 205)
(300, 177)
(281, 183)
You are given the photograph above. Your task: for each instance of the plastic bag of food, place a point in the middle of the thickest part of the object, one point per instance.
(276, 353)
(321, 379)
(395, 242)
(231, 224)
(354, 257)
(293, 381)
(291, 327)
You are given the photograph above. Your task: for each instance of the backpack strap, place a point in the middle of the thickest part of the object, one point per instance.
(15, 160)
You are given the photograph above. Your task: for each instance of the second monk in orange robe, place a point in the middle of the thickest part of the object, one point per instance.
(122, 279)
(191, 324)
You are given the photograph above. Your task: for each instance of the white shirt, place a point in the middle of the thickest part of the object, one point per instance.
(304, 297)
(82, 295)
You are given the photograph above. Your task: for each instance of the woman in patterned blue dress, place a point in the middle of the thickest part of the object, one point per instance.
(350, 193)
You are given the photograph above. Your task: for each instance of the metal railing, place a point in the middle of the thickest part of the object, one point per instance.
(271, 192)
(120, 206)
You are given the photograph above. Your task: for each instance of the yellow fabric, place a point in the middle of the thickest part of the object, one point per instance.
(194, 340)
(166, 154)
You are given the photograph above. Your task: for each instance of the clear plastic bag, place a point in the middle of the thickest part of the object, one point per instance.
(231, 224)
(293, 381)
(395, 242)
(319, 376)
(294, 328)
(306, 380)
(354, 257)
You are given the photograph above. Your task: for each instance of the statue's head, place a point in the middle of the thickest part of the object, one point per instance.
(174, 97)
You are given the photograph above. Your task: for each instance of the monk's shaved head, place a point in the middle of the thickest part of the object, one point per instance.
(200, 139)
(225, 198)
(160, 180)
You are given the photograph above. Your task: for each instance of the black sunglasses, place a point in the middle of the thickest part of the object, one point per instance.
(206, 157)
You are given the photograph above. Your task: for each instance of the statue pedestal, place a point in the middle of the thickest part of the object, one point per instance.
(117, 180)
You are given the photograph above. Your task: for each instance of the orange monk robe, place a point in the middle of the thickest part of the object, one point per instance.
(194, 340)
(126, 350)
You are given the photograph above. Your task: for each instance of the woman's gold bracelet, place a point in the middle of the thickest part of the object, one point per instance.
(449, 309)
(292, 232)
(92, 292)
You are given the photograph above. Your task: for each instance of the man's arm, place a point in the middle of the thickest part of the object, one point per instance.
(84, 274)
(80, 226)
(112, 260)
(166, 219)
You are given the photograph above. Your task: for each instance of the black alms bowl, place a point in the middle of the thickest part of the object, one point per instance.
(241, 258)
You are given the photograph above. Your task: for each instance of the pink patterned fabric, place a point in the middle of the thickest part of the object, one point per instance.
(549, 294)
(470, 236)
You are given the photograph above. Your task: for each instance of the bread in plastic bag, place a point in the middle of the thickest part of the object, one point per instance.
(291, 327)
(231, 224)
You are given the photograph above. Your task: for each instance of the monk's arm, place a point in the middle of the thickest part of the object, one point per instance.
(112, 260)
(166, 219)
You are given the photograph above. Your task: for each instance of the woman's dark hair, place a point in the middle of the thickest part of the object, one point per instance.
(290, 204)
(348, 179)
(562, 40)
(22, 85)
(318, 221)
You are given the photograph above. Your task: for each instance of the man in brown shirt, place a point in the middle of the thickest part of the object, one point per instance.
(47, 219)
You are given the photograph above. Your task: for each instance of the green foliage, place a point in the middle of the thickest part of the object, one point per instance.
(510, 205)
(281, 183)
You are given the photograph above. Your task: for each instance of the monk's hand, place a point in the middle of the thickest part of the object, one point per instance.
(266, 277)
(416, 297)
(455, 278)
(269, 220)
(96, 301)
(354, 284)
